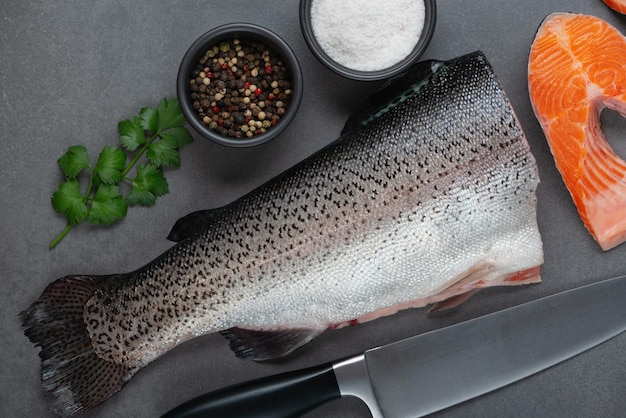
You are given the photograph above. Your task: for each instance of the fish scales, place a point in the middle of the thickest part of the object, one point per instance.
(431, 199)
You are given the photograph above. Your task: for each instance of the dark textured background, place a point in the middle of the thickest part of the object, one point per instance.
(70, 70)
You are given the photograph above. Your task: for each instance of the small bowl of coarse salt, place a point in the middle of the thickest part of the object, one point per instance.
(367, 40)
(239, 85)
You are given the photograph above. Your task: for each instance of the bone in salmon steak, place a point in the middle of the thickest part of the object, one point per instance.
(576, 68)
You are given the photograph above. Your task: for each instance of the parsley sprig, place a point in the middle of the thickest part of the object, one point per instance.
(151, 140)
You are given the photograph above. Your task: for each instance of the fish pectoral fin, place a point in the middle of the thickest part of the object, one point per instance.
(453, 301)
(263, 345)
(478, 278)
(192, 223)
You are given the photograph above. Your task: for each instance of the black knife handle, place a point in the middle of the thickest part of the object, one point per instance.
(284, 395)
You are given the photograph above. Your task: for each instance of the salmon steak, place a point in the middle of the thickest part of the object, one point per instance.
(427, 196)
(617, 5)
(576, 68)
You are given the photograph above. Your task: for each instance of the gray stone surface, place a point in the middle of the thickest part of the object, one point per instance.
(70, 70)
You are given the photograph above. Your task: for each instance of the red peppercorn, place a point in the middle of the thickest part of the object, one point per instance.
(271, 96)
(248, 84)
(268, 69)
(258, 91)
(220, 122)
(216, 109)
(224, 66)
(209, 74)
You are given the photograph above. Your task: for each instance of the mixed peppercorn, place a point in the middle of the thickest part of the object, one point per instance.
(240, 88)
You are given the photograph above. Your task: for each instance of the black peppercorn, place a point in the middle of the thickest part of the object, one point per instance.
(237, 87)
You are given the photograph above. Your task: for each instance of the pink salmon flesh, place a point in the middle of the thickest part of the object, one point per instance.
(427, 196)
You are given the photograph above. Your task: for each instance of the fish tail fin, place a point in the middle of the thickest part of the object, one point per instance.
(73, 376)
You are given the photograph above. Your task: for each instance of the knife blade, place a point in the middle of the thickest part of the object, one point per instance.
(432, 371)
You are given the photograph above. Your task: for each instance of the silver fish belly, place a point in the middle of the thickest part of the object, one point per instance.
(427, 197)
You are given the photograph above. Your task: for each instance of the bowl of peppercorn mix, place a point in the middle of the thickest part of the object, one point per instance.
(239, 85)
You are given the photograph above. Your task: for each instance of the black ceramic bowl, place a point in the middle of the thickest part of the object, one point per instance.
(228, 32)
(418, 49)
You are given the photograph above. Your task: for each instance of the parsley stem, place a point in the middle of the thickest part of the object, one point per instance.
(89, 187)
(140, 153)
(67, 229)
(62, 235)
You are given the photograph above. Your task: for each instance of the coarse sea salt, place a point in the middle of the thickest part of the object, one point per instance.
(367, 35)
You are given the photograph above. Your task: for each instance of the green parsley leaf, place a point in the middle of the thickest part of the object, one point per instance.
(149, 119)
(74, 161)
(164, 152)
(170, 115)
(107, 206)
(155, 135)
(147, 186)
(180, 135)
(132, 134)
(110, 165)
(153, 179)
(139, 196)
(69, 201)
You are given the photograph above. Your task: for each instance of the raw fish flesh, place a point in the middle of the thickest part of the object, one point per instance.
(577, 67)
(617, 5)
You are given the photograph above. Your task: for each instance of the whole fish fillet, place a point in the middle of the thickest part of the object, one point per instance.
(577, 67)
(617, 5)
(428, 196)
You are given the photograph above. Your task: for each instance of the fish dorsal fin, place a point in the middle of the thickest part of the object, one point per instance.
(262, 345)
(192, 223)
(393, 92)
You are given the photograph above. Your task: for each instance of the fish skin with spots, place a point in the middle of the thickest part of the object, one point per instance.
(428, 196)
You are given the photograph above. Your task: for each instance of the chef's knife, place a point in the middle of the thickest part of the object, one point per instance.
(438, 369)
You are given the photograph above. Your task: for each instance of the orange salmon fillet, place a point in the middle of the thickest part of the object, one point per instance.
(576, 68)
(617, 5)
